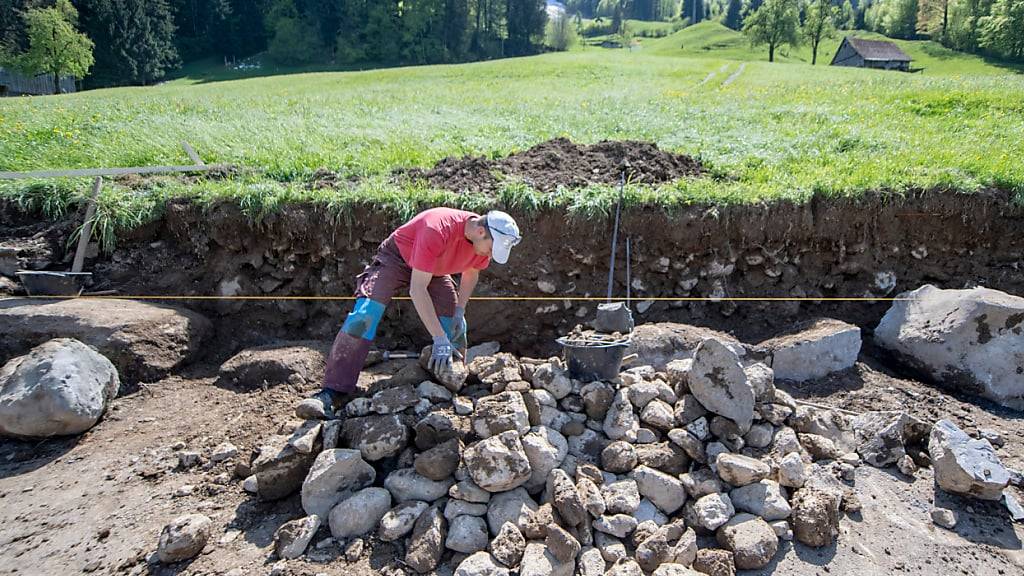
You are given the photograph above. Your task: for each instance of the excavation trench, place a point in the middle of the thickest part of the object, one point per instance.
(874, 246)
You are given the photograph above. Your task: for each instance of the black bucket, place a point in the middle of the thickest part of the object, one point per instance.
(44, 283)
(594, 362)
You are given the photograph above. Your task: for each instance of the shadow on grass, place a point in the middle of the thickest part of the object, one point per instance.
(946, 54)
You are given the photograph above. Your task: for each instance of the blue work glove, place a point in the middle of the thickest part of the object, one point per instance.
(441, 354)
(459, 326)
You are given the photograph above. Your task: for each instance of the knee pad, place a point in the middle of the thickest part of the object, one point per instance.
(362, 322)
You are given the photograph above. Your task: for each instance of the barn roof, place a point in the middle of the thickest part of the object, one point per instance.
(878, 50)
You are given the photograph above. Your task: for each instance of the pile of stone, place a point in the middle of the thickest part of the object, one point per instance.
(510, 465)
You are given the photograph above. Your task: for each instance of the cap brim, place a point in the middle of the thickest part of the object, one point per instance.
(501, 250)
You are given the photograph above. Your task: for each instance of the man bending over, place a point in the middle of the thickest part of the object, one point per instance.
(420, 256)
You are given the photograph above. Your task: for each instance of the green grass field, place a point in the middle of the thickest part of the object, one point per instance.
(783, 130)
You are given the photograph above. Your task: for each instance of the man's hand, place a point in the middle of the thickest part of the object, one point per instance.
(441, 354)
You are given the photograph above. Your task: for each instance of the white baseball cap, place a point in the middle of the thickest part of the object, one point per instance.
(505, 233)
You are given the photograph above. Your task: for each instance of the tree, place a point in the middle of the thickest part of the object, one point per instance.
(895, 18)
(561, 34)
(1002, 31)
(134, 40)
(933, 18)
(734, 15)
(819, 24)
(55, 46)
(525, 23)
(775, 24)
(295, 41)
(846, 17)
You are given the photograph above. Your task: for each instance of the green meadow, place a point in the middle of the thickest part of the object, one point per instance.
(766, 130)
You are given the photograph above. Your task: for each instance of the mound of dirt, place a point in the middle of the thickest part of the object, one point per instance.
(561, 163)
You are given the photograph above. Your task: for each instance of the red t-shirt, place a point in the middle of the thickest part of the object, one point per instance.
(435, 241)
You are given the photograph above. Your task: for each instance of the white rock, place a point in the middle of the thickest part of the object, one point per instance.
(539, 561)
(814, 351)
(224, 451)
(335, 475)
(618, 525)
(719, 383)
(792, 472)
(621, 497)
(765, 499)
(498, 463)
(514, 506)
(969, 339)
(944, 517)
(480, 564)
(467, 534)
(621, 422)
(665, 491)
(433, 392)
(61, 387)
(741, 470)
(553, 379)
(360, 513)
(545, 449)
(658, 414)
(965, 466)
(713, 510)
(184, 538)
(408, 484)
(398, 522)
(293, 537)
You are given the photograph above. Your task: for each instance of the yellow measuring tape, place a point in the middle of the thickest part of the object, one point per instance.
(484, 298)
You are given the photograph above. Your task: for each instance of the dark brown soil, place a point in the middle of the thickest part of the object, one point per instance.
(559, 163)
(877, 245)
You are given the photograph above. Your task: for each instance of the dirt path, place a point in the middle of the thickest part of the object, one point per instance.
(732, 77)
(97, 504)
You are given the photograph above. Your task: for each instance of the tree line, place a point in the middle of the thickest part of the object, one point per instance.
(988, 27)
(140, 41)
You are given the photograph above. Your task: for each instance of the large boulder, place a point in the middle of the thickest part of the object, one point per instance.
(658, 344)
(335, 475)
(968, 340)
(498, 463)
(719, 383)
(285, 362)
(60, 388)
(145, 341)
(965, 466)
(813, 350)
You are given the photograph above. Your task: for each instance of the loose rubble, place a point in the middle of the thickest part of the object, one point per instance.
(700, 466)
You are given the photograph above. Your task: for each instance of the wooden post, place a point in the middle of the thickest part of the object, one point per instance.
(83, 240)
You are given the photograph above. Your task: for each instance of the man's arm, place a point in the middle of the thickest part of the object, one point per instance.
(424, 305)
(467, 283)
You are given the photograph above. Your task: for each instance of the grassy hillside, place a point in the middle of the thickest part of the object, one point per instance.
(776, 130)
(713, 40)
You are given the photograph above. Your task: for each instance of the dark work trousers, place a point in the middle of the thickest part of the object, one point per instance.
(385, 277)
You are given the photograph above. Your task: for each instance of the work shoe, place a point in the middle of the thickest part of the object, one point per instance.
(319, 406)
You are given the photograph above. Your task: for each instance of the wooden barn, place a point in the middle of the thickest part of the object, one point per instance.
(863, 53)
(14, 84)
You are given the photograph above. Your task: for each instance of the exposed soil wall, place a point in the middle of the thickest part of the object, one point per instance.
(826, 248)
